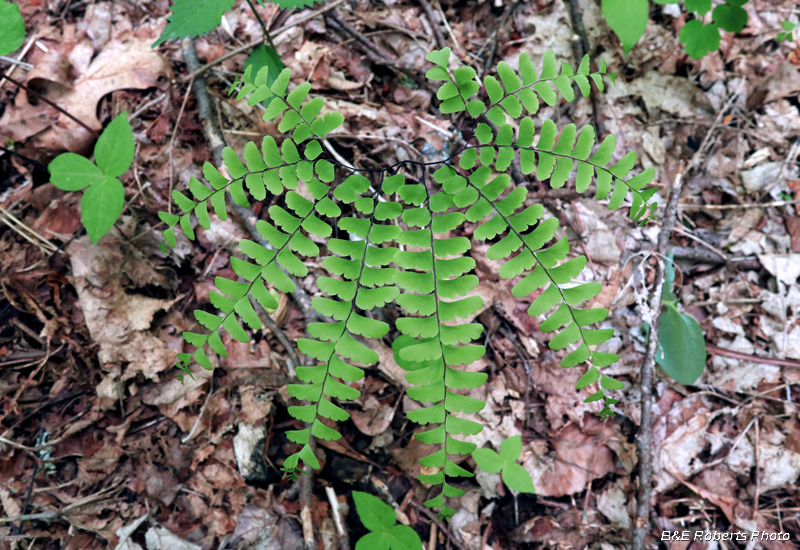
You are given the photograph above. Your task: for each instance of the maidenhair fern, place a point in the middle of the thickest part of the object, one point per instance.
(400, 241)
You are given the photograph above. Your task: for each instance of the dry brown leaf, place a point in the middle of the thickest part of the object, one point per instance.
(578, 456)
(126, 62)
(375, 418)
(120, 323)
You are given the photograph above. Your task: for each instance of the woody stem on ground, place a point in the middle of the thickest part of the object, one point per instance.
(58, 108)
(645, 440)
(216, 141)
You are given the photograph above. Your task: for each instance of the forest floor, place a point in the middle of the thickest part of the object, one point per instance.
(102, 447)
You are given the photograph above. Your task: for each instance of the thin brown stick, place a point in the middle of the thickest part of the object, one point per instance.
(689, 206)
(788, 363)
(442, 527)
(341, 534)
(307, 504)
(758, 477)
(437, 32)
(216, 142)
(500, 28)
(645, 440)
(58, 108)
(580, 48)
(647, 378)
(250, 45)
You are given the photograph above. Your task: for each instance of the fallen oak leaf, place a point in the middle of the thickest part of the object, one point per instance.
(126, 62)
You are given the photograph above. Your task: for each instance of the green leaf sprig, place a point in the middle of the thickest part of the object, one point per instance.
(681, 346)
(628, 20)
(381, 521)
(504, 463)
(104, 198)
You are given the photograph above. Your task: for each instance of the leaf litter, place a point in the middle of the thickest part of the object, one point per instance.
(107, 324)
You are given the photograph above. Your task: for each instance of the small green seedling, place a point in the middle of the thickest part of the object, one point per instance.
(381, 520)
(104, 197)
(504, 463)
(787, 34)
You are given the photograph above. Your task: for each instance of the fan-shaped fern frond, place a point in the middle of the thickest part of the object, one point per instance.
(401, 240)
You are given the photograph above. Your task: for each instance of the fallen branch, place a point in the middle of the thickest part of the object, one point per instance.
(788, 363)
(644, 441)
(437, 32)
(647, 377)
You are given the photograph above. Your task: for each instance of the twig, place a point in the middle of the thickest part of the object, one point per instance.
(209, 393)
(58, 108)
(456, 45)
(250, 45)
(758, 477)
(376, 54)
(500, 28)
(702, 255)
(645, 439)
(580, 48)
(689, 206)
(267, 37)
(207, 119)
(307, 505)
(20, 56)
(711, 247)
(17, 530)
(267, 320)
(64, 512)
(442, 527)
(27, 233)
(147, 105)
(437, 32)
(12, 61)
(172, 142)
(299, 294)
(344, 543)
(788, 363)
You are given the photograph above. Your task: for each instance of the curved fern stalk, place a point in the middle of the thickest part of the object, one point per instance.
(435, 280)
(366, 284)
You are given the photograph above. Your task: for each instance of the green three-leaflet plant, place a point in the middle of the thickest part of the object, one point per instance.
(401, 239)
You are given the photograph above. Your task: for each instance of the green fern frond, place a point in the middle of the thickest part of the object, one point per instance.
(401, 241)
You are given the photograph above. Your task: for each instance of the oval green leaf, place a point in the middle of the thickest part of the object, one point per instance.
(114, 149)
(101, 205)
(488, 460)
(627, 18)
(12, 28)
(375, 515)
(682, 348)
(72, 172)
(518, 479)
